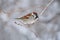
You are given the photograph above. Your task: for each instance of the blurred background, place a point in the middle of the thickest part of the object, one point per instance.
(46, 28)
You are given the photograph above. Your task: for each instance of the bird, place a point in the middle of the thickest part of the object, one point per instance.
(29, 18)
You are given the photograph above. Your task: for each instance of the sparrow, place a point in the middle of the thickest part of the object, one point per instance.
(29, 18)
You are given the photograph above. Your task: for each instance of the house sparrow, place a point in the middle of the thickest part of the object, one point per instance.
(29, 18)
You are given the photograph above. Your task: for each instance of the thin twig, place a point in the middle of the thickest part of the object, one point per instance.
(46, 7)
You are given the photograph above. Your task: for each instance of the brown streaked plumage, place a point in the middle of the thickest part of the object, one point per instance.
(26, 16)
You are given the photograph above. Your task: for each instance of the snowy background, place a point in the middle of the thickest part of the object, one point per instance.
(46, 28)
